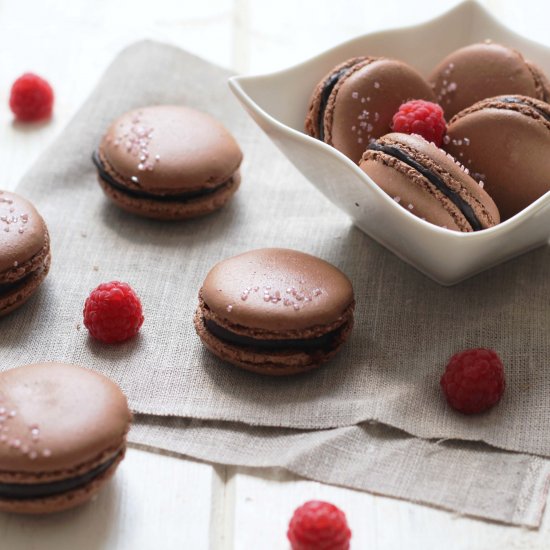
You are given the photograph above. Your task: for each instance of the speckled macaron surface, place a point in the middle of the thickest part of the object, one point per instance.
(24, 251)
(355, 102)
(168, 162)
(275, 311)
(505, 141)
(429, 183)
(478, 71)
(62, 435)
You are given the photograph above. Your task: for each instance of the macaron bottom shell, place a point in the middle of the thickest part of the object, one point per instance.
(282, 362)
(62, 501)
(173, 210)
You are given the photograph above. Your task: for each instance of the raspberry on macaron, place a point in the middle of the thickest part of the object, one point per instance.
(420, 117)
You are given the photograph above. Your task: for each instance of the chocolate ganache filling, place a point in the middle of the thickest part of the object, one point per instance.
(324, 342)
(5, 288)
(542, 113)
(328, 86)
(454, 197)
(8, 287)
(178, 197)
(27, 491)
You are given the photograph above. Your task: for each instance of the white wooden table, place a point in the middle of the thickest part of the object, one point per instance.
(160, 502)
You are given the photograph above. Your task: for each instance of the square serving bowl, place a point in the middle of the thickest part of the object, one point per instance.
(278, 103)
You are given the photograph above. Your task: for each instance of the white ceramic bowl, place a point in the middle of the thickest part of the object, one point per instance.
(278, 103)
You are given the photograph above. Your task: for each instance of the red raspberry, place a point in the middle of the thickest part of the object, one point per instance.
(31, 98)
(420, 117)
(318, 525)
(473, 380)
(112, 312)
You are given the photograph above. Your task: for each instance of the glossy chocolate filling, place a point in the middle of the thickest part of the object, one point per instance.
(178, 197)
(454, 197)
(325, 342)
(328, 86)
(27, 491)
(542, 113)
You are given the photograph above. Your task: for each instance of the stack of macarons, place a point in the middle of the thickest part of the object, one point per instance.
(493, 161)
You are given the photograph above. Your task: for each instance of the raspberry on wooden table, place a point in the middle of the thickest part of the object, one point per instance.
(420, 117)
(318, 525)
(31, 98)
(112, 312)
(473, 380)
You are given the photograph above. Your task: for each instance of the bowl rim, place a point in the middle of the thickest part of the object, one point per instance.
(236, 84)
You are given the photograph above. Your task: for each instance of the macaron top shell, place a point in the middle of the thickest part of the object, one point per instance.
(277, 289)
(364, 100)
(55, 417)
(22, 231)
(478, 71)
(169, 149)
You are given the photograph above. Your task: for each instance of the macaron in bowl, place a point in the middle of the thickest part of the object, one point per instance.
(505, 140)
(62, 436)
(429, 183)
(275, 311)
(355, 102)
(168, 162)
(478, 71)
(24, 251)
(279, 102)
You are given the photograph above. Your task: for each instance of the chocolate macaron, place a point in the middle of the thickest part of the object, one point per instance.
(24, 251)
(168, 162)
(478, 71)
(62, 435)
(355, 102)
(429, 183)
(275, 311)
(505, 140)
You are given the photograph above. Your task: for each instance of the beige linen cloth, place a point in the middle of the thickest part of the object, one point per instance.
(406, 325)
